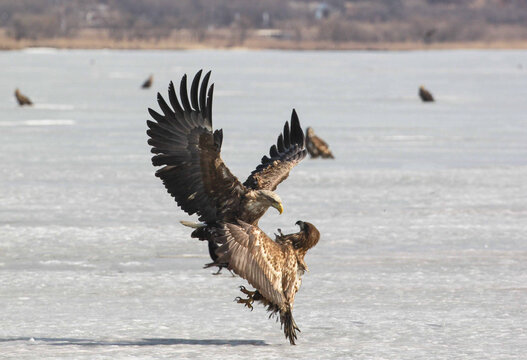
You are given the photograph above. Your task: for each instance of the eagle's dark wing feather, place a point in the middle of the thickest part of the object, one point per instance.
(189, 151)
(252, 255)
(288, 151)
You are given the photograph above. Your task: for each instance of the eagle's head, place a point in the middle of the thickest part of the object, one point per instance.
(301, 224)
(269, 198)
(311, 235)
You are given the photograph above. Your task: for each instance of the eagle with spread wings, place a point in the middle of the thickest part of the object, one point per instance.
(188, 149)
(274, 268)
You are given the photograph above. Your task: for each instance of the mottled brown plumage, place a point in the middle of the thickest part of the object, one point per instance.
(274, 268)
(148, 82)
(425, 95)
(22, 99)
(193, 172)
(316, 146)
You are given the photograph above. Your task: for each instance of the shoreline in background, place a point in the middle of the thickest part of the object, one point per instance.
(251, 44)
(266, 24)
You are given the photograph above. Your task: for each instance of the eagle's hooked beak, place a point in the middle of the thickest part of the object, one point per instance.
(278, 206)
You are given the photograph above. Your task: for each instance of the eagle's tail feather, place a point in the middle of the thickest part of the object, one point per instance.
(289, 325)
(193, 225)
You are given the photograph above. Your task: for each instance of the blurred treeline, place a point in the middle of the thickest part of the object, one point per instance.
(331, 20)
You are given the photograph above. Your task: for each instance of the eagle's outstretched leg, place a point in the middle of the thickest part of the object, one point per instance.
(280, 234)
(219, 270)
(250, 297)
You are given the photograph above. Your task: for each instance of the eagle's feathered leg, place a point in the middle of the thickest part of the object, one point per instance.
(208, 232)
(213, 246)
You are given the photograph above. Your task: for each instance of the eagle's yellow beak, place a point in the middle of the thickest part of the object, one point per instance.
(279, 207)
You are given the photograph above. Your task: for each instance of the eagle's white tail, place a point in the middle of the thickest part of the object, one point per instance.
(193, 225)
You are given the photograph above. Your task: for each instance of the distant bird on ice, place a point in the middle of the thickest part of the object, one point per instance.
(425, 95)
(148, 82)
(22, 99)
(316, 146)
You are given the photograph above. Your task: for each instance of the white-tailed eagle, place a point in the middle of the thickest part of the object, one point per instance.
(22, 99)
(148, 82)
(425, 95)
(316, 146)
(188, 149)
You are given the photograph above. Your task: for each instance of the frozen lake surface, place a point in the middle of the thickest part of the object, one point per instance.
(423, 214)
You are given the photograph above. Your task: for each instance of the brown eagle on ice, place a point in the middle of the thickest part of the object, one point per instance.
(194, 174)
(425, 95)
(316, 146)
(274, 268)
(148, 82)
(22, 99)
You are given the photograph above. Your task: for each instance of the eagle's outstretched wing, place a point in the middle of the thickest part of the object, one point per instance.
(189, 151)
(288, 151)
(251, 254)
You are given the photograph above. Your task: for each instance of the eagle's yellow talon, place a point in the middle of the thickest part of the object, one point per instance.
(247, 302)
(249, 293)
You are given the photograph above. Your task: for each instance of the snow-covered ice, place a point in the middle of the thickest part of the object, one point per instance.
(423, 214)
